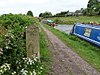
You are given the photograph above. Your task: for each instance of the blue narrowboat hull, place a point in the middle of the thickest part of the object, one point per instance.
(88, 32)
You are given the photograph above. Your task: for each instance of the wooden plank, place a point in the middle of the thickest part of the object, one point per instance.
(32, 41)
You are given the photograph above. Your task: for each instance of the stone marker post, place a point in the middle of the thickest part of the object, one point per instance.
(32, 41)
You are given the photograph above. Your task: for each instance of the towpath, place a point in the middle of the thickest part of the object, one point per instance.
(65, 61)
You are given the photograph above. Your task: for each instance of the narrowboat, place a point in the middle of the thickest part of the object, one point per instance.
(88, 32)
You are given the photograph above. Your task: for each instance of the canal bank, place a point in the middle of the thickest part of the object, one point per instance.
(88, 52)
(65, 55)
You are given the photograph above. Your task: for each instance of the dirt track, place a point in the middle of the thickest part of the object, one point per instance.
(65, 61)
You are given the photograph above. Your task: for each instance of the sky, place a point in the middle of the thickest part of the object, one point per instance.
(40, 6)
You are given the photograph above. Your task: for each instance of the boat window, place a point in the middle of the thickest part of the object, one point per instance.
(87, 32)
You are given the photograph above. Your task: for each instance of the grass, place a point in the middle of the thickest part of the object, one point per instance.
(45, 54)
(84, 49)
(80, 19)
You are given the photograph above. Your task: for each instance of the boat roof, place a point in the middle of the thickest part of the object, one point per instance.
(50, 21)
(88, 25)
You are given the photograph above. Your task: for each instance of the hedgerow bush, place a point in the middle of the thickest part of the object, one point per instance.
(13, 60)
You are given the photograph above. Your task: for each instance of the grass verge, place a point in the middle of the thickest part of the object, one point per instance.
(71, 20)
(84, 49)
(45, 54)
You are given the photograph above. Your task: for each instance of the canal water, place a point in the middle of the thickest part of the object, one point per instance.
(65, 28)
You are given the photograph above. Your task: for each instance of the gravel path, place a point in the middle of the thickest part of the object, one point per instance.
(65, 61)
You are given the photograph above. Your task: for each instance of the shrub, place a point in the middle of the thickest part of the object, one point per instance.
(13, 46)
(29, 13)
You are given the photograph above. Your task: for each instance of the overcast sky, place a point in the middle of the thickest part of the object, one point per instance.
(38, 6)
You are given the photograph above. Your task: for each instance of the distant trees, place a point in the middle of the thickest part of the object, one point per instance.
(29, 13)
(93, 8)
(41, 15)
(45, 14)
(49, 14)
(84, 11)
(61, 14)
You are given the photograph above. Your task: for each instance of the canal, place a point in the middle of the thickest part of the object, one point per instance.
(65, 28)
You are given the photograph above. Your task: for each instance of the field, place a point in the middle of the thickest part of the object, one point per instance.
(80, 19)
(88, 52)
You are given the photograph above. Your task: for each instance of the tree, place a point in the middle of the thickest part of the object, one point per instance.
(45, 14)
(61, 14)
(30, 13)
(84, 11)
(93, 7)
(41, 15)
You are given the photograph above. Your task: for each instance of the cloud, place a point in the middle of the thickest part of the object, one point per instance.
(24, 1)
(38, 6)
(16, 3)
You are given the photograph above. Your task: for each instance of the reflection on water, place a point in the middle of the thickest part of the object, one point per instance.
(65, 28)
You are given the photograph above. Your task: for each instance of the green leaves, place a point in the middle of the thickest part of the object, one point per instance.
(93, 7)
(13, 43)
(29, 13)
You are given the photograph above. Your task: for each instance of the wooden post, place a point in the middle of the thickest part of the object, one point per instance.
(32, 41)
